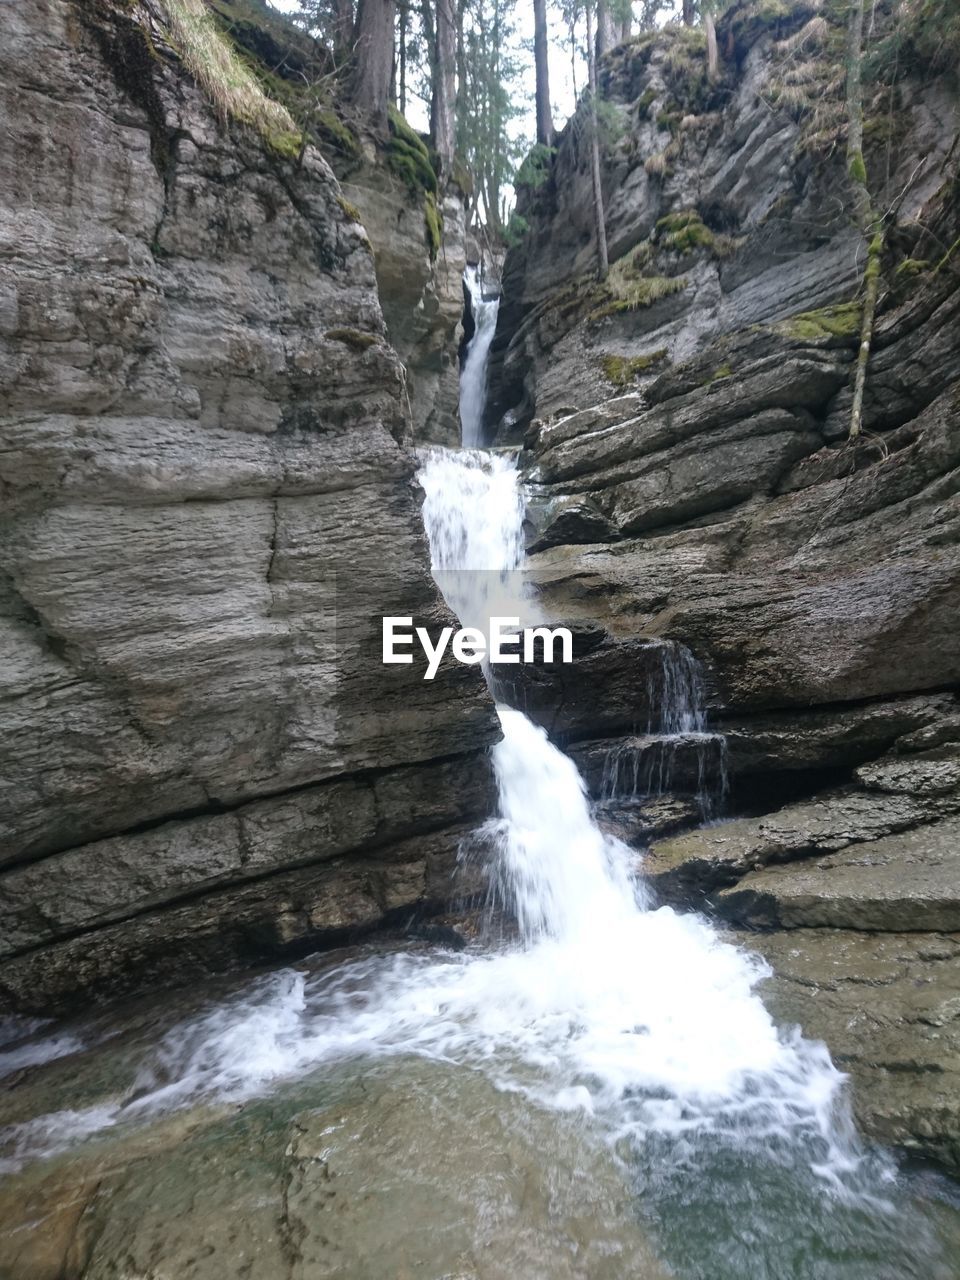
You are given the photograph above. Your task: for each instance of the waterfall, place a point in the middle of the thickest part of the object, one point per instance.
(658, 761)
(473, 373)
(733, 1134)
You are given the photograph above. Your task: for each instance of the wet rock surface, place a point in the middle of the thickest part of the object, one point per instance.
(899, 883)
(888, 1005)
(412, 1169)
(853, 897)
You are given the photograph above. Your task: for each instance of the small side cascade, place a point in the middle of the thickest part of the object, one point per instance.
(677, 752)
(485, 307)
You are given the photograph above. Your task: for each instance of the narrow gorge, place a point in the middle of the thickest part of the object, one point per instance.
(646, 964)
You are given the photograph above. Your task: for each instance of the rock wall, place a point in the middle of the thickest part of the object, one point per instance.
(421, 295)
(727, 206)
(417, 236)
(207, 508)
(690, 481)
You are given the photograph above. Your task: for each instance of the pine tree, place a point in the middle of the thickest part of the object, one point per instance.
(871, 225)
(603, 261)
(374, 57)
(541, 59)
(444, 84)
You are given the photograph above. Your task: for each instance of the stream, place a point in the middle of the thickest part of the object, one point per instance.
(603, 1096)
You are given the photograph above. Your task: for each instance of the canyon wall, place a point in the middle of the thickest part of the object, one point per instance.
(685, 441)
(208, 505)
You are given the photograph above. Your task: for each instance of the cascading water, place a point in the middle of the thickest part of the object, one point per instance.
(733, 1136)
(473, 374)
(677, 748)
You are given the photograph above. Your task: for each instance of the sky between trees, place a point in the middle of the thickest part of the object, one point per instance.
(567, 67)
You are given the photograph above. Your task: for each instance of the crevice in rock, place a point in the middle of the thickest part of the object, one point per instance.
(218, 808)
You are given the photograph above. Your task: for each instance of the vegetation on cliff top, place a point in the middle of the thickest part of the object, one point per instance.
(229, 84)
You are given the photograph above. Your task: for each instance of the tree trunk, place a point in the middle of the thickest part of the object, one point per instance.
(870, 296)
(603, 262)
(343, 29)
(444, 88)
(626, 29)
(541, 59)
(688, 13)
(713, 58)
(870, 224)
(606, 32)
(402, 57)
(374, 72)
(855, 165)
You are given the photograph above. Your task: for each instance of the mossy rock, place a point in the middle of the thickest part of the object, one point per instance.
(684, 232)
(644, 103)
(353, 338)
(657, 165)
(434, 224)
(669, 120)
(623, 370)
(409, 157)
(857, 169)
(946, 260)
(642, 292)
(839, 321)
(350, 211)
(283, 143)
(330, 129)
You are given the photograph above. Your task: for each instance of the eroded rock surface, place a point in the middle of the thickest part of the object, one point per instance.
(888, 1005)
(684, 434)
(207, 509)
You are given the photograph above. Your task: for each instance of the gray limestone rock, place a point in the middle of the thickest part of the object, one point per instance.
(206, 511)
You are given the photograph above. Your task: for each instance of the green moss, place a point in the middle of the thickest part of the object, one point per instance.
(684, 232)
(434, 223)
(669, 120)
(410, 166)
(643, 292)
(722, 371)
(839, 321)
(409, 157)
(644, 103)
(622, 370)
(332, 130)
(285, 144)
(351, 211)
(857, 169)
(354, 338)
(911, 267)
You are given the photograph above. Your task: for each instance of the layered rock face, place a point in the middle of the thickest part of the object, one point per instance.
(691, 482)
(421, 295)
(207, 509)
